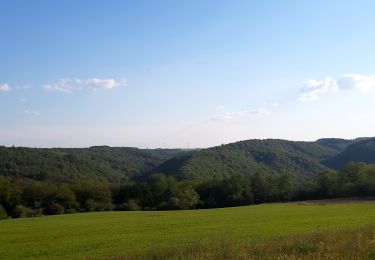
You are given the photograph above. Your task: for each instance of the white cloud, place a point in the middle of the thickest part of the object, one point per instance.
(313, 89)
(5, 88)
(232, 116)
(359, 82)
(67, 86)
(31, 113)
(103, 83)
(63, 85)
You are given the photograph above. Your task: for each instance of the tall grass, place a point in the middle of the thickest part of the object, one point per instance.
(356, 243)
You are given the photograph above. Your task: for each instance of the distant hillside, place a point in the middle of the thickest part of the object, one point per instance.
(339, 144)
(360, 151)
(273, 156)
(102, 163)
(112, 164)
(336, 144)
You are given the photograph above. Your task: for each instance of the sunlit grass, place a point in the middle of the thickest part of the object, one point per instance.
(356, 243)
(108, 234)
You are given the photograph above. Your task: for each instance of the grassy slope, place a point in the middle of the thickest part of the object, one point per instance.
(112, 233)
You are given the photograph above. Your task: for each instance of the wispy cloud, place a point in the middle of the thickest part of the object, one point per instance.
(237, 115)
(358, 82)
(63, 85)
(103, 83)
(67, 86)
(313, 89)
(31, 113)
(23, 87)
(5, 88)
(228, 117)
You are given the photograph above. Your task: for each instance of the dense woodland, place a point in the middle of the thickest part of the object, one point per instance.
(63, 165)
(25, 198)
(272, 156)
(36, 182)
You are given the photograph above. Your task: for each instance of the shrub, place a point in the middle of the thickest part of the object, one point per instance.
(54, 209)
(21, 211)
(131, 205)
(92, 205)
(89, 205)
(3, 214)
(172, 204)
(103, 206)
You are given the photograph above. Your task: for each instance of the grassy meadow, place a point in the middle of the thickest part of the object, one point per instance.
(138, 234)
(353, 243)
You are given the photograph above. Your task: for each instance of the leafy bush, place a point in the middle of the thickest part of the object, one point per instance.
(21, 211)
(54, 209)
(92, 205)
(3, 214)
(130, 205)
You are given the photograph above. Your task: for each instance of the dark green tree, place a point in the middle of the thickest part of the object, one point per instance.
(261, 186)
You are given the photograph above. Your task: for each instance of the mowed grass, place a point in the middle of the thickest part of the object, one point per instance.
(108, 234)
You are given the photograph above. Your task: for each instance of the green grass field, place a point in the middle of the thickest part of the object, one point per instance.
(107, 234)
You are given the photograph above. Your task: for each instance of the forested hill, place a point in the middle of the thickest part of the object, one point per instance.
(113, 164)
(272, 156)
(101, 163)
(336, 144)
(360, 151)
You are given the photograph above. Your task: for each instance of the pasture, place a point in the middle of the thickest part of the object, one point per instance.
(111, 234)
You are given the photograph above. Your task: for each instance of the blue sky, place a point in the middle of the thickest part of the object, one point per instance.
(184, 73)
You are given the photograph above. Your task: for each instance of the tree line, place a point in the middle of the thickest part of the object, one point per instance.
(26, 198)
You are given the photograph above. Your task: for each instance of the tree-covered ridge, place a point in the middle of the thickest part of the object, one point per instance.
(54, 181)
(114, 164)
(59, 165)
(337, 144)
(360, 151)
(271, 155)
